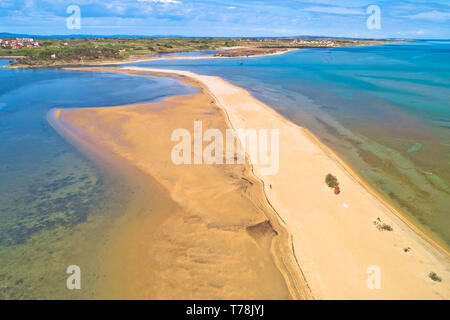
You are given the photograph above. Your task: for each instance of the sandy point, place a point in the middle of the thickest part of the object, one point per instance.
(341, 251)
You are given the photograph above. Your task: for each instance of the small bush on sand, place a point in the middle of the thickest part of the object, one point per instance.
(382, 226)
(433, 276)
(331, 181)
(386, 227)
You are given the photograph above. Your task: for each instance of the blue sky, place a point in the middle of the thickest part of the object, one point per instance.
(402, 19)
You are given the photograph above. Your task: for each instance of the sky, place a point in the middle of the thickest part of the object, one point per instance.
(230, 18)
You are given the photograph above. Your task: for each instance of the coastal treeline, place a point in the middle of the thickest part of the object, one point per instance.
(85, 50)
(79, 51)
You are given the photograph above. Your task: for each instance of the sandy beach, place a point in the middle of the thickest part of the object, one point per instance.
(156, 58)
(235, 232)
(214, 236)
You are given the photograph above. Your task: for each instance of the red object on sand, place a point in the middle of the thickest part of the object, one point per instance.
(337, 190)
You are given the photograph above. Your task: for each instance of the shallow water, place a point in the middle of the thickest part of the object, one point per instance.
(55, 205)
(385, 109)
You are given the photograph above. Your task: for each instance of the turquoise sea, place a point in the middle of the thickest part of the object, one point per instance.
(384, 109)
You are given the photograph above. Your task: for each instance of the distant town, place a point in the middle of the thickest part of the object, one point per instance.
(19, 43)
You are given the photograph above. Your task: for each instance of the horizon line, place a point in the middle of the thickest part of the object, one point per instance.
(74, 35)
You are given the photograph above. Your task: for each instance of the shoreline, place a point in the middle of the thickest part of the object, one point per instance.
(310, 258)
(138, 60)
(351, 171)
(11, 57)
(430, 238)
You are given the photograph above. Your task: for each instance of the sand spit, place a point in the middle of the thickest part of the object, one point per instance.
(339, 248)
(335, 237)
(216, 238)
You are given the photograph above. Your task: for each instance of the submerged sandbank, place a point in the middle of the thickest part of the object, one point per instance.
(335, 238)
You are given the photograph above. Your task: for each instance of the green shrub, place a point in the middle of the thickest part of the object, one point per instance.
(382, 226)
(386, 227)
(433, 276)
(331, 181)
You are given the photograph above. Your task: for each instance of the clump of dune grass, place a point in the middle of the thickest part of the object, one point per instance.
(331, 181)
(382, 226)
(433, 276)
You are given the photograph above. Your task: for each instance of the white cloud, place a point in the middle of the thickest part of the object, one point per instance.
(162, 1)
(335, 10)
(431, 15)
